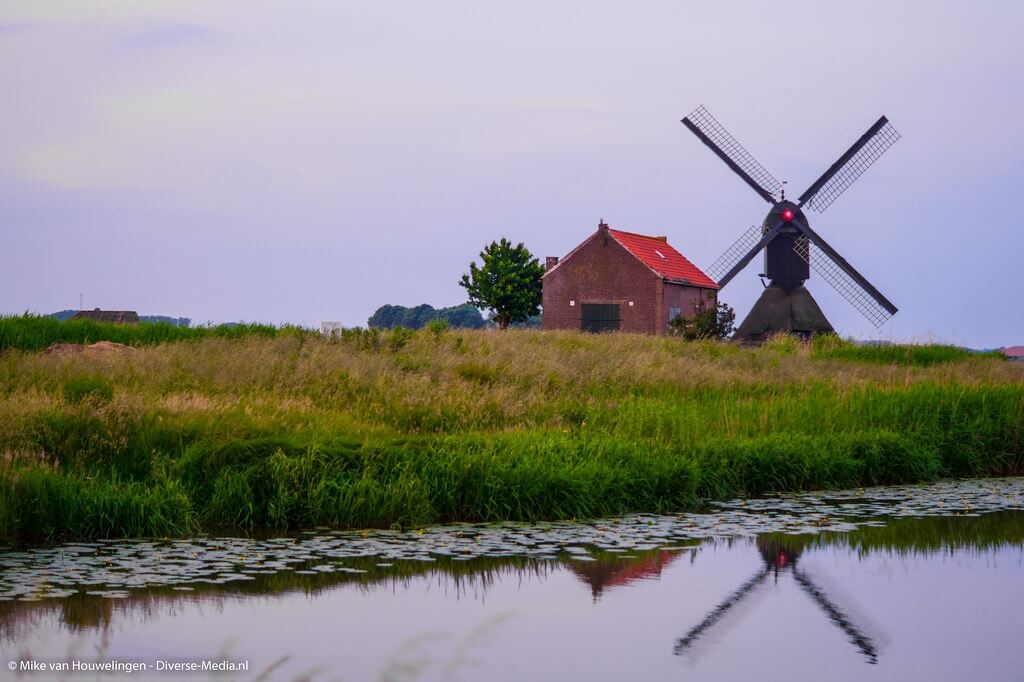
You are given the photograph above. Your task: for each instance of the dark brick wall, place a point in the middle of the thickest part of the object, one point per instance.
(602, 271)
(684, 298)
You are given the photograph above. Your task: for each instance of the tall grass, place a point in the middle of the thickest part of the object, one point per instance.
(36, 332)
(834, 347)
(405, 428)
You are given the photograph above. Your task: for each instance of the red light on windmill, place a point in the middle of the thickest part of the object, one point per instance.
(787, 215)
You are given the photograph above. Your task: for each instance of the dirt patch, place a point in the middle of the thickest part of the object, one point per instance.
(98, 347)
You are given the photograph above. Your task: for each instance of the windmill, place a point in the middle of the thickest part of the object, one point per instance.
(778, 558)
(786, 237)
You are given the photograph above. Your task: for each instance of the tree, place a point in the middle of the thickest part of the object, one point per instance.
(707, 322)
(386, 317)
(390, 316)
(465, 316)
(507, 283)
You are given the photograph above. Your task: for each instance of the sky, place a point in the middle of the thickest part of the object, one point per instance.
(309, 161)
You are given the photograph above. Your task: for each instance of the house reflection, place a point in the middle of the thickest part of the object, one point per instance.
(610, 570)
(780, 555)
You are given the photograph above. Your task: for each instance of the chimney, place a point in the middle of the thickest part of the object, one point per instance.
(602, 226)
(552, 261)
(662, 238)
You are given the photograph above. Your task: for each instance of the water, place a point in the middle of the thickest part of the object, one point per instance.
(905, 583)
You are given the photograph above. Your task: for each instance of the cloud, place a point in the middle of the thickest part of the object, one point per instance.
(164, 35)
(56, 11)
(11, 27)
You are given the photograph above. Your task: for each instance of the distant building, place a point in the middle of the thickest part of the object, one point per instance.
(116, 316)
(622, 281)
(330, 328)
(1014, 353)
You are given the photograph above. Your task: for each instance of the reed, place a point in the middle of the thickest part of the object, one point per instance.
(36, 332)
(288, 429)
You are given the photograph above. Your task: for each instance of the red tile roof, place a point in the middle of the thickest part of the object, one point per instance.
(1014, 351)
(615, 571)
(666, 261)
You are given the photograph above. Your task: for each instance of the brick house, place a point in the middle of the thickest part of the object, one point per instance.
(1015, 353)
(116, 316)
(622, 281)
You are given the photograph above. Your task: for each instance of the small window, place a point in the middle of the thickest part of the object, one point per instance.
(674, 312)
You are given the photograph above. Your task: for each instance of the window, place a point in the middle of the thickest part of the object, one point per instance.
(599, 317)
(673, 312)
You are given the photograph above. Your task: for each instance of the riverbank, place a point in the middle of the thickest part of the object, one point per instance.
(377, 429)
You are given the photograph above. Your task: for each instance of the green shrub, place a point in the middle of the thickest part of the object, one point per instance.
(705, 322)
(437, 327)
(399, 337)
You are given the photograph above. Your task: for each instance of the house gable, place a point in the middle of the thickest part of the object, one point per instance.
(601, 271)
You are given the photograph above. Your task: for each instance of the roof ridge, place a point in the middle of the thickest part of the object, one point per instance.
(636, 234)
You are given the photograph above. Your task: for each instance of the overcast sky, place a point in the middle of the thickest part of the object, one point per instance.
(308, 161)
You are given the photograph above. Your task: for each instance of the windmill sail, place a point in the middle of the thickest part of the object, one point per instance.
(850, 166)
(735, 253)
(843, 620)
(857, 636)
(847, 287)
(684, 643)
(712, 133)
(742, 252)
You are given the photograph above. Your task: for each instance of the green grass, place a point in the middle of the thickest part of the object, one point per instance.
(922, 355)
(46, 504)
(35, 332)
(77, 389)
(283, 430)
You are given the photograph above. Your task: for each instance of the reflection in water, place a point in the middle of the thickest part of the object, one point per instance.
(837, 616)
(87, 606)
(83, 612)
(59, 594)
(779, 555)
(609, 570)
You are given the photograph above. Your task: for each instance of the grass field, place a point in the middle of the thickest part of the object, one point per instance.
(34, 332)
(258, 428)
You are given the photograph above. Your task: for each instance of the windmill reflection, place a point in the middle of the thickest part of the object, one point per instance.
(779, 557)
